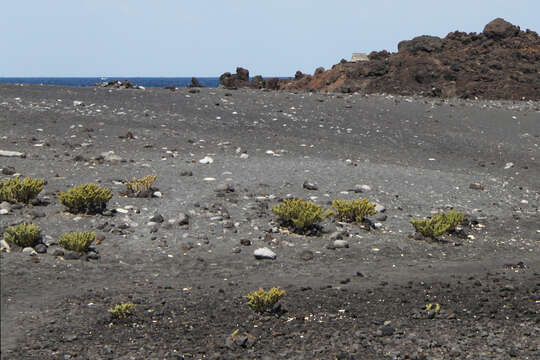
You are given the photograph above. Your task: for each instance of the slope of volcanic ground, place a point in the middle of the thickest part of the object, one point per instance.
(502, 62)
(363, 299)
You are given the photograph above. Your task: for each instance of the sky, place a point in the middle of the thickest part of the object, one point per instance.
(176, 38)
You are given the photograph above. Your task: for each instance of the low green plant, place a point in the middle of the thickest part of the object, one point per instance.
(122, 311)
(300, 214)
(88, 198)
(438, 224)
(264, 301)
(23, 235)
(77, 241)
(17, 190)
(353, 210)
(140, 186)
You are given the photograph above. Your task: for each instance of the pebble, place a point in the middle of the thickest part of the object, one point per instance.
(157, 218)
(379, 208)
(9, 170)
(310, 186)
(183, 219)
(8, 153)
(306, 255)
(206, 160)
(264, 253)
(186, 173)
(40, 248)
(4, 211)
(157, 194)
(110, 156)
(29, 251)
(245, 242)
(381, 217)
(362, 188)
(122, 211)
(78, 103)
(71, 256)
(4, 246)
(476, 186)
(508, 165)
(338, 244)
(58, 252)
(244, 156)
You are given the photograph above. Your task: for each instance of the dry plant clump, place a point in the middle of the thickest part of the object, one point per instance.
(438, 224)
(77, 241)
(300, 214)
(17, 190)
(23, 235)
(122, 311)
(353, 210)
(140, 187)
(264, 301)
(88, 198)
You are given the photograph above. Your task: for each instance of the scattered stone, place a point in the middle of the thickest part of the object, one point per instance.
(8, 153)
(224, 188)
(157, 194)
(183, 219)
(110, 156)
(387, 330)
(40, 248)
(476, 186)
(4, 246)
(186, 173)
(99, 238)
(338, 244)
(78, 103)
(264, 253)
(508, 165)
(70, 255)
(206, 160)
(4, 211)
(37, 214)
(157, 218)
(8, 170)
(310, 186)
(362, 188)
(306, 255)
(236, 250)
(245, 242)
(379, 208)
(381, 217)
(29, 251)
(336, 235)
(92, 256)
(58, 252)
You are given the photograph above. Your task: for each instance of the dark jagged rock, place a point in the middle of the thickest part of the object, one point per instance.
(195, 83)
(499, 63)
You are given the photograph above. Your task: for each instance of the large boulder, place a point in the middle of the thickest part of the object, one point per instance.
(500, 29)
(242, 74)
(421, 43)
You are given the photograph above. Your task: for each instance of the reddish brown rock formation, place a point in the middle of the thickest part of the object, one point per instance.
(502, 62)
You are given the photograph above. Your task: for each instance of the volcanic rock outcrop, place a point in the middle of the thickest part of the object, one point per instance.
(501, 62)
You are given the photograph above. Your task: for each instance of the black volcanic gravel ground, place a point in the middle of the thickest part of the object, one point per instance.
(366, 301)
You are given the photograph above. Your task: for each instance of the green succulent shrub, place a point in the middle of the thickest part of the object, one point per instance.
(122, 311)
(17, 190)
(300, 214)
(23, 235)
(77, 241)
(140, 187)
(438, 224)
(88, 198)
(264, 301)
(353, 210)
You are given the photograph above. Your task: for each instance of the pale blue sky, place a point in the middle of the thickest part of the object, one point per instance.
(206, 38)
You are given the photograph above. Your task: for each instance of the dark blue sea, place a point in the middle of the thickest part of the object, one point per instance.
(89, 81)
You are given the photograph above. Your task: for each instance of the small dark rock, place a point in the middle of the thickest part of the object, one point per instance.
(306, 255)
(186, 173)
(40, 248)
(58, 252)
(8, 170)
(310, 186)
(157, 218)
(72, 256)
(476, 186)
(245, 242)
(183, 219)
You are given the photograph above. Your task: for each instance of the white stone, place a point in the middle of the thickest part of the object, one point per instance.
(264, 253)
(29, 251)
(206, 160)
(508, 165)
(4, 246)
(340, 244)
(379, 208)
(122, 211)
(363, 187)
(110, 156)
(8, 153)
(78, 103)
(244, 156)
(209, 179)
(157, 194)
(4, 211)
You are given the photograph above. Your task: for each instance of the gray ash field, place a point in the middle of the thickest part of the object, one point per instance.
(413, 156)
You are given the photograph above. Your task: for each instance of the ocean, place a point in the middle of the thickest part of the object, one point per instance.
(89, 81)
